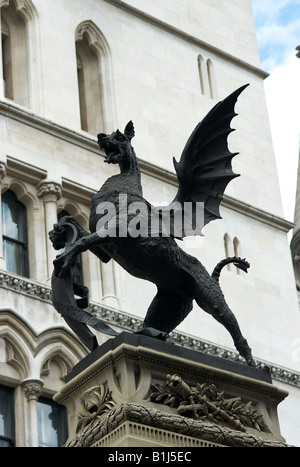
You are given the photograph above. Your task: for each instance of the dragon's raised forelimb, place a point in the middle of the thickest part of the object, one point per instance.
(63, 262)
(58, 236)
(65, 234)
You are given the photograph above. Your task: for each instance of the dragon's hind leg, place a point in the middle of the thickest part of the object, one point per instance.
(210, 298)
(167, 310)
(225, 316)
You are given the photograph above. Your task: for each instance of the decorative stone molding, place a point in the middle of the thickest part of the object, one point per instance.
(32, 388)
(22, 171)
(133, 369)
(94, 403)
(133, 323)
(95, 37)
(31, 352)
(24, 286)
(49, 191)
(15, 359)
(151, 419)
(26, 8)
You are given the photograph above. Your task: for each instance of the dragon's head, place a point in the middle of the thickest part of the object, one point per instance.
(58, 237)
(62, 232)
(117, 146)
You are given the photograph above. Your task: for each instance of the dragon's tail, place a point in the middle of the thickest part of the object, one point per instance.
(238, 262)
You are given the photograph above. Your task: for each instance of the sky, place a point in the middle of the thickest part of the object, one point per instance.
(278, 34)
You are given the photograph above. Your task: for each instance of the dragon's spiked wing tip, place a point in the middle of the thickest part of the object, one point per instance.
(205, 169)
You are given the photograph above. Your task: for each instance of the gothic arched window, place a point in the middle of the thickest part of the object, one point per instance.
(211, 79)
(207, 77)
(14, 230)
(95, 78)
(14, 55)
(89, 84)
(6, 60)
(202, 71)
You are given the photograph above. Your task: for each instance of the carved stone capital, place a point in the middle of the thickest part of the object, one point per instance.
(49, 191)
(32, 388)
(2, 170)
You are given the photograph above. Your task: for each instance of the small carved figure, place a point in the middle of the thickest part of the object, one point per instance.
(203, 173)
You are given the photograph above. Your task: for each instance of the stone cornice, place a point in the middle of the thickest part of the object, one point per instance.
(23, 171)
(20, 114)
(132, 323)
(187, 37)
(257, 214)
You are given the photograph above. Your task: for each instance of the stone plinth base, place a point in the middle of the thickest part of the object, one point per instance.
(138, 391)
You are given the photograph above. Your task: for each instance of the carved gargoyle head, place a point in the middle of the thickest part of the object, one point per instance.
(117, 146)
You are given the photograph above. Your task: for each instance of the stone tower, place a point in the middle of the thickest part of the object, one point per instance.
(295, 243)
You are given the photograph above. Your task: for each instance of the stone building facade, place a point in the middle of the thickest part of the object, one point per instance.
(72, 69)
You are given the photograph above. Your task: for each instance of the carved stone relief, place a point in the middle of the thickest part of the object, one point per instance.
(95, 402)
(204, 401)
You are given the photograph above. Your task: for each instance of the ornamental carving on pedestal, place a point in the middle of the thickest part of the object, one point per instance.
(94, 403)
(204, 401)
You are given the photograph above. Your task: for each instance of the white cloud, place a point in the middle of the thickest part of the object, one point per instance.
(278, 40)
(272, 10)
(268, 8)
(277, 29)
(283, 98)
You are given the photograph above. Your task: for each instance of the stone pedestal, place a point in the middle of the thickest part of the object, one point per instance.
(138, 391)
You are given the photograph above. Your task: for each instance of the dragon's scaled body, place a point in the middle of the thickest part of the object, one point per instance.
(203, 172)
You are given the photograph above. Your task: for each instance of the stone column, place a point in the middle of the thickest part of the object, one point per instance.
(32, 390)
(50, 193)
(108, 284)
(2, 175)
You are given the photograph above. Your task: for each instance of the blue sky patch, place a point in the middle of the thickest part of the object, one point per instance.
(277, 29)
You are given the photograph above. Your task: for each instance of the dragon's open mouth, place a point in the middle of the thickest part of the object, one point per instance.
(111, 150)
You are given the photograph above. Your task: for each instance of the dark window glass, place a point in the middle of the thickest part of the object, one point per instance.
(7, 417)
(52, 423)
(14, 230)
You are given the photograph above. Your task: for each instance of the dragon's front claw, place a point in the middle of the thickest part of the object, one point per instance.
(62, 264)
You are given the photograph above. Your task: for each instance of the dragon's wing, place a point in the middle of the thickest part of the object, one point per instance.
(204, 169)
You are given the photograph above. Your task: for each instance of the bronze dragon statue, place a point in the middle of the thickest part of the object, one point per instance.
(203, 172)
